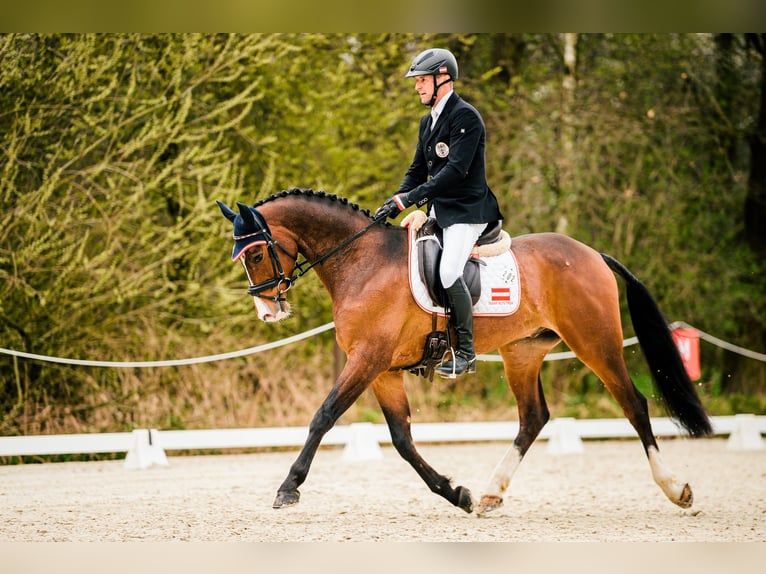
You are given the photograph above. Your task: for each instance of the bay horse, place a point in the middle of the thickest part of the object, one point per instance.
(568, 292)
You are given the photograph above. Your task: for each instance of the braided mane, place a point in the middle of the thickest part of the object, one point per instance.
(298, 191)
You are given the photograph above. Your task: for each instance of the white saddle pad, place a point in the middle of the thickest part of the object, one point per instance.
(500, 284)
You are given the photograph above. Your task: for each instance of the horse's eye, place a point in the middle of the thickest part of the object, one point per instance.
(256, 256)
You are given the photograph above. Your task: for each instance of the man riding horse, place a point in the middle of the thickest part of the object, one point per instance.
(447, 173)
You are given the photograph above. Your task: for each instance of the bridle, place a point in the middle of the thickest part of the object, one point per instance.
(280, 280)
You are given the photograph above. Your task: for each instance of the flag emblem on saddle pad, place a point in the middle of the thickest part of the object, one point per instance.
(501, 294)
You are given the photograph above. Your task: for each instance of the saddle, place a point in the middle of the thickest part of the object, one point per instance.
(428, 237)
(429, 245)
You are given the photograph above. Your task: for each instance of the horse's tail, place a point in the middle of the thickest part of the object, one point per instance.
(671, 380)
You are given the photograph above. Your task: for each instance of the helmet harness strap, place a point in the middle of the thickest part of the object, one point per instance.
(436, 89)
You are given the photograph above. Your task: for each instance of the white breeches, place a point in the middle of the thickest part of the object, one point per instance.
(459, 240)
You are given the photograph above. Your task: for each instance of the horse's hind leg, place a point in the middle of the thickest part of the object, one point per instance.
(522, 361)
(634, 405)
(391, 395)
(604, 357)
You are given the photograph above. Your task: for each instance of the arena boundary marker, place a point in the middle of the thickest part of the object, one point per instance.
(362, 441)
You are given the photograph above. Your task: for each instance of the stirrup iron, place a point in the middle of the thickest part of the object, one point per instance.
(448, 369)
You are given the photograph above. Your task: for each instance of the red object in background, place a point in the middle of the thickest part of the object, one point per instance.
(688, 342)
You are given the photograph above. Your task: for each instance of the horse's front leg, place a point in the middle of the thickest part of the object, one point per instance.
(522, 363)
(392, 397)
(355, 377)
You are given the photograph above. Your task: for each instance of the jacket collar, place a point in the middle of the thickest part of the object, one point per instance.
(448, 106)
(441, 104)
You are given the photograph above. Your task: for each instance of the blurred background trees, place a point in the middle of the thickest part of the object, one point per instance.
(114, 148)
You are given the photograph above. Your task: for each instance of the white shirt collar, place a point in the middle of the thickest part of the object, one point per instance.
(439, 107)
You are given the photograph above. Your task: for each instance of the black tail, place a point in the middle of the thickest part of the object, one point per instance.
(671, 380)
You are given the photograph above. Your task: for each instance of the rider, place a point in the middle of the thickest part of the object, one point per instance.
(447, 173)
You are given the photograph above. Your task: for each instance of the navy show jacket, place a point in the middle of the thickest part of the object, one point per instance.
(448, 170)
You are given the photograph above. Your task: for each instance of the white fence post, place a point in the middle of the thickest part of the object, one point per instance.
(145, 451)
(745, 435)
(564, 438)
(362, 443)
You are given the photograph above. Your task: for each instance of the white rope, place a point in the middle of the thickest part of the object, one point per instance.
(326, 327)
(174, 362)
(554, 356)
(723, 344)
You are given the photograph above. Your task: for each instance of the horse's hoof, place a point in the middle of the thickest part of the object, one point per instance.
(488, 504)
(687, 497)
(287, 498)
(464, 499)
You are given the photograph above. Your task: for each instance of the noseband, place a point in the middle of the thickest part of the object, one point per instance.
(280, 278)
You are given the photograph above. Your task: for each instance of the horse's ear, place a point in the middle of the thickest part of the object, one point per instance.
(247, 215)
(227, 213)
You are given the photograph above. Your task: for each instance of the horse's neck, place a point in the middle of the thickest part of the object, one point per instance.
(317, 229)
(318, 232)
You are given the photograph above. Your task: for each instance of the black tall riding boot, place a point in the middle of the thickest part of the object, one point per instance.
(461, 308)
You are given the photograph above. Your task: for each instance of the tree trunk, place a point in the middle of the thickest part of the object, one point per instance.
(508, 53)
(567, 186)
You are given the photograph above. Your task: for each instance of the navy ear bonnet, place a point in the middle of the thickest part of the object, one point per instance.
(250, 228)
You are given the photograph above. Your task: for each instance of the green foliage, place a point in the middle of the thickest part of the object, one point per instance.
(114, 148)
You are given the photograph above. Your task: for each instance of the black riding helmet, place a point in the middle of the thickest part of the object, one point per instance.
(433, 62)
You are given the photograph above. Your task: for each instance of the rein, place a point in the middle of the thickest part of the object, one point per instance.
(280, 278)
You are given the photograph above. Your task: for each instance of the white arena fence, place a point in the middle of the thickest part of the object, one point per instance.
(360, 441)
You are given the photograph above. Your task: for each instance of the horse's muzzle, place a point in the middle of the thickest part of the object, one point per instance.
(271, 311)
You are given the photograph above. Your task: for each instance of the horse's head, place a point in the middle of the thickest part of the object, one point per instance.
(267, 263)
